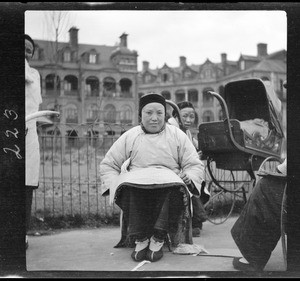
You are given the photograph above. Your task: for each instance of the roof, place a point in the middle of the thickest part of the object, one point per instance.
(253, 58)
(270, 65)
(104, 51)
(123, 50)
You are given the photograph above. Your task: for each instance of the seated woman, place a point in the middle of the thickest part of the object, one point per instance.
(151, 171)
(257, 230)
(188, 115)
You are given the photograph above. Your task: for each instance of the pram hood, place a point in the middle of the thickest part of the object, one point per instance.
(253, 98)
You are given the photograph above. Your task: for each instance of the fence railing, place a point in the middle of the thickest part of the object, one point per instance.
(70, 156)
(69, 180)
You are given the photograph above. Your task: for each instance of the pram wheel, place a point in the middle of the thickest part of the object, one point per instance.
(229, 191)
(221, 202)
(220, 205)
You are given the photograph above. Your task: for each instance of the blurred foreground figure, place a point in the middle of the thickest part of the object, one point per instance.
(258, 229)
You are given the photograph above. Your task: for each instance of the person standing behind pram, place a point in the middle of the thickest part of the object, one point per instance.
(188, 115)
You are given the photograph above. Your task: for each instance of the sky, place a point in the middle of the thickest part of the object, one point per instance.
(162, 37)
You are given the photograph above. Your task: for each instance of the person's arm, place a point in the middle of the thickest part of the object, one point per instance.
(110, 166)
(191, 165)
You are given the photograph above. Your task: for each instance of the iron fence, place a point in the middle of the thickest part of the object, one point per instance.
(69, 180)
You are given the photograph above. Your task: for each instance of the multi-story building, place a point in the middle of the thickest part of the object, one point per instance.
(89, 83)
(192, 82)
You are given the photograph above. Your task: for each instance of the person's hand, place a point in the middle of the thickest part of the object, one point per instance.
(200, 154)
(185, 178)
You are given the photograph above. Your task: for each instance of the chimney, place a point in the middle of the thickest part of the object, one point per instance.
(224, 62)
(182, 61)
(145, 65)
(73, 32)
(224, 58)
(262, 50)
(123, 41)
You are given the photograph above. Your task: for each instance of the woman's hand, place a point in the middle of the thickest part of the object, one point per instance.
(185, 178)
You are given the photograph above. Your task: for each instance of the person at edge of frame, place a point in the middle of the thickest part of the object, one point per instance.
(33, 99)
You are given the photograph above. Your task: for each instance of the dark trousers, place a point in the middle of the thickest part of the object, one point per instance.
(147, 212)
(199, 214)
(257, 230)
(28, 201)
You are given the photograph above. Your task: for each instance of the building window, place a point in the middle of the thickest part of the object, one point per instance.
(166, 95)
(126, 85)
(179, 96)
(92, 86)
(208, 116)
(110, 114)
(207, 98)
(92, 112)
(92, 58)
(52, 84)
(109, 87)
(165, 77)
(71, 85)
(71, 114)
(193, 96)
(126, 115)
(148, 78)
(67, 86)
(67, 56)
(243, 65)
(187, 74)
(207, 73)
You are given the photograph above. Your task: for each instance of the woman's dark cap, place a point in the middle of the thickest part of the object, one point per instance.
(27, 37)
(149, 98)
(182, 105)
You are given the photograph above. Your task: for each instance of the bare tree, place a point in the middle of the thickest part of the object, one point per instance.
(57, 24)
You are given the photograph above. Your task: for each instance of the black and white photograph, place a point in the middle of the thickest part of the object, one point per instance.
(155, 141)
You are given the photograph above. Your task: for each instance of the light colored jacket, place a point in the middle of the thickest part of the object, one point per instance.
(174, 122)
(150, 160)
(32, 101)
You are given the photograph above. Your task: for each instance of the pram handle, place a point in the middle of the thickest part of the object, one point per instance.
(176, 108)
(40, 114)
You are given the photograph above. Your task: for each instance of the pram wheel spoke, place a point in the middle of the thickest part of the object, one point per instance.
(220, 205)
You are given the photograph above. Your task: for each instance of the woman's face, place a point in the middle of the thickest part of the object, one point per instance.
(28, 50)
(153, 117)
(188, 116)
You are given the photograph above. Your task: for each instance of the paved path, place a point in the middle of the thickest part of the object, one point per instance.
(92, 250)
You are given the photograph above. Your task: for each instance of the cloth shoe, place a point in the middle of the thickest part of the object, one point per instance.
(155, 251)
(242, 266)
(196, 232)
(140, 250)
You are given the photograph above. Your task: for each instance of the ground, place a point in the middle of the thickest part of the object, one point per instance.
(91, 250)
